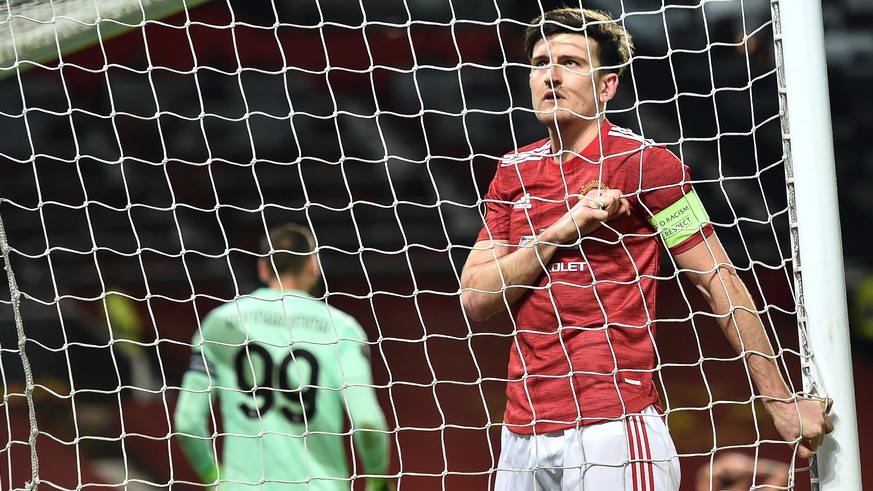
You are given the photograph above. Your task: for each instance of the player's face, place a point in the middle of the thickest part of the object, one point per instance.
(565, 88)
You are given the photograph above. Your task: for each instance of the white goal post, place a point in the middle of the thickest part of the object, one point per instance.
(32, 31)
(146, 146)
(820, 262)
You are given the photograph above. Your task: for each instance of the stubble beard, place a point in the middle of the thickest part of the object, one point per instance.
(558, 118)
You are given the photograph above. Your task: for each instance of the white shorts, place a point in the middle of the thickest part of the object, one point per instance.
(634, 454)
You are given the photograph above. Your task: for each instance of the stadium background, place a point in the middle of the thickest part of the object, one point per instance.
(404, 237)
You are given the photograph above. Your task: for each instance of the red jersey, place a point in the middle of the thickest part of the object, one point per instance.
(584, 345)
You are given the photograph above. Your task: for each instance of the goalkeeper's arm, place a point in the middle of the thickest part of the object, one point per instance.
(365, 415)
(370, 435)
(191, 423)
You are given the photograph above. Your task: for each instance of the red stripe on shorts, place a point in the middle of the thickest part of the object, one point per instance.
(649, 464)
(631, 442)
(640, 455)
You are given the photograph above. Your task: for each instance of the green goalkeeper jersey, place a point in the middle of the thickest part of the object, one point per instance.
(288, 371)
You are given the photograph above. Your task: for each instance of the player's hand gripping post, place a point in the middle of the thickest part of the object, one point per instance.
(804, 420)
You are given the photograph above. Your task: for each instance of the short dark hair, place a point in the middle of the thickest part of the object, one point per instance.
(288, 247)
(614, 44)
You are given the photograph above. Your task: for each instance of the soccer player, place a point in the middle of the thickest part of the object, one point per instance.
(735, 471)
(574, 229)
(289, 371)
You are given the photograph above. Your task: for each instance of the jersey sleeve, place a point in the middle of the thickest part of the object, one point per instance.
(223, 334)
(191, 416)
(671, 204)
(495, 211)
(365, 414)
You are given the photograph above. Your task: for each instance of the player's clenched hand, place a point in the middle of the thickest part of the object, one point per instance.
(607, 201)
(379, 484)
(596, 207)
(805, 421)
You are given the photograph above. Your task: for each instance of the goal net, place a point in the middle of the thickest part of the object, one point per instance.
(147, 147)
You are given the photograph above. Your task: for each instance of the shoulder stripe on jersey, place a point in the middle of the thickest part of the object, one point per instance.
(620, 132)
(517, 158)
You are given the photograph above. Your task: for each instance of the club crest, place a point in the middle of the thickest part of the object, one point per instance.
(593, 184)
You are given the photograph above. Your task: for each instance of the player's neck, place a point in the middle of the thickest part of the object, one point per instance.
(570, 140)
(287, 283)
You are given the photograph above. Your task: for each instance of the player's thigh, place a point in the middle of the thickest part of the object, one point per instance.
(635, 454)
(529, 463)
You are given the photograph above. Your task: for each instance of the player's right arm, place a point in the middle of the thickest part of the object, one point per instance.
(365, 414)
(494, 267)
(191, 416)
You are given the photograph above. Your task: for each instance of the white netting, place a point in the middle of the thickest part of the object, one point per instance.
(138, 175)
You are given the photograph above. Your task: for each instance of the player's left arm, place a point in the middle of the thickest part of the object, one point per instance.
(708, 267)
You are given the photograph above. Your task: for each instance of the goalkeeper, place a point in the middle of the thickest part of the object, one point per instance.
(288, 371)
(574, 229)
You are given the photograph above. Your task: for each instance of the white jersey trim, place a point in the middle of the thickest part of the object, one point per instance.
(533, 154)
(619, 132)
(544, 150)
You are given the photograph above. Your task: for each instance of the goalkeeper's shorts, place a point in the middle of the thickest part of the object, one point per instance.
(633, 454)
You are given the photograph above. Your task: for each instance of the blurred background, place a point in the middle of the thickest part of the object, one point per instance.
(138, 175)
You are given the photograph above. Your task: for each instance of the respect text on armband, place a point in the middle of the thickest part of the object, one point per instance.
(680, 220)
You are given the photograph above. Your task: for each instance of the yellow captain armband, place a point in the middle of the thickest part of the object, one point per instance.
(680, 220)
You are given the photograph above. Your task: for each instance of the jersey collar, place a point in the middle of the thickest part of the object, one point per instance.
(592, 154)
